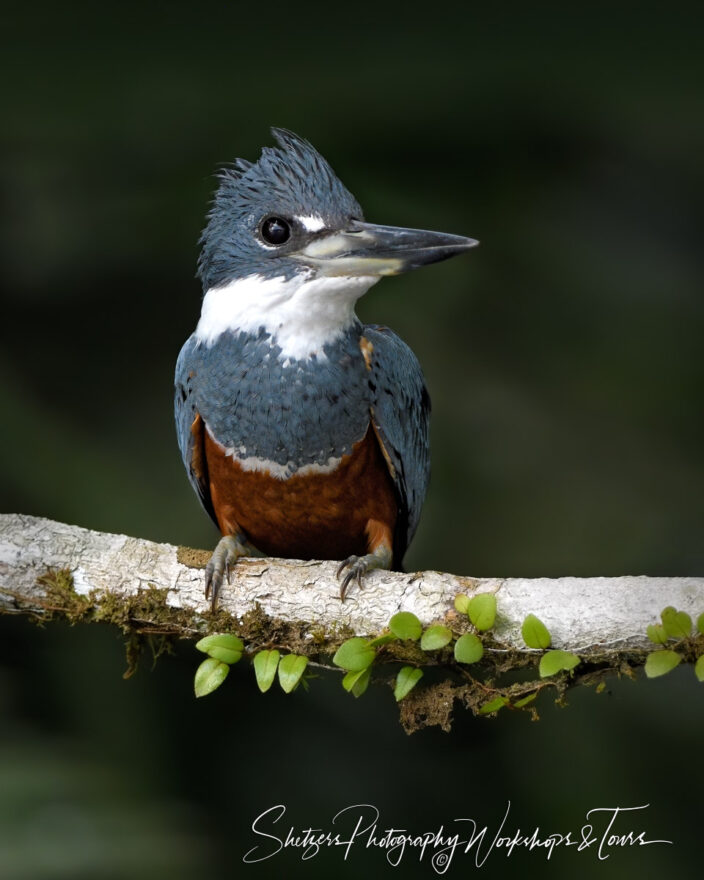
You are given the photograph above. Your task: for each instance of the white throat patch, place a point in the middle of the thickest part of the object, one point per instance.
(302, 313)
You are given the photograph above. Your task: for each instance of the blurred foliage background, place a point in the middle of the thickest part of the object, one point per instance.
(564, 359)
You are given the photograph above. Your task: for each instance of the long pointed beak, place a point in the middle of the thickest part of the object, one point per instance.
(368, 249)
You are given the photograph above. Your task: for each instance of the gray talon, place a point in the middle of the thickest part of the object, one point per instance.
(227, 552)
(360, 565)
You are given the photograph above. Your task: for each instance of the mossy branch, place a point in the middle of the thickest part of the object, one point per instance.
(49, 569)
(147, 587)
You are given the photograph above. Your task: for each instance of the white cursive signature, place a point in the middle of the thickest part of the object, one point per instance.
(359, 827)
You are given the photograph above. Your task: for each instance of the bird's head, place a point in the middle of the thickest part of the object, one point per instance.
(286, 241)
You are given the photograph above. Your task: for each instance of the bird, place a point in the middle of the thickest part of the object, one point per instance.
(304, 433)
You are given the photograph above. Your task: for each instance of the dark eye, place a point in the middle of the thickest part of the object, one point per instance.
(275, 230)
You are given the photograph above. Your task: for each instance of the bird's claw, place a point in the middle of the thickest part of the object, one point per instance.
(358, 566)
(228, 550)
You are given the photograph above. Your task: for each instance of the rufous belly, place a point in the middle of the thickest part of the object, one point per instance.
(348, 511)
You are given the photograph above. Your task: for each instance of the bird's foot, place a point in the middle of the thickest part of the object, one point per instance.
(228, 551)
(359, 565)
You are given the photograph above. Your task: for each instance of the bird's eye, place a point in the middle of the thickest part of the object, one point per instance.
(275, 230)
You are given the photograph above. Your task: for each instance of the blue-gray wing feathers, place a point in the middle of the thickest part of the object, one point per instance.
(400, 414)
(189, 440)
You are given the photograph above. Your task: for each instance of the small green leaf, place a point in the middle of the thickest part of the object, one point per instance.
(699, 668)
(382, 640)
(519, 704)
(468, 648)
(700, 624)
(405, 625)
(555, 661)
(535, 633)
(493, 705)
(601, 687)
(222, 646)
(265, 664)
(678, 624)
(354, 655)
(209, 676)
(291, 668)
(435, 637)
(462, 603)
(661, 662)
(482, 611)
(407, 678)
(656, 633)
(357, 682)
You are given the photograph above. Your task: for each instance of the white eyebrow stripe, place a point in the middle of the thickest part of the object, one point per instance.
(313, 223)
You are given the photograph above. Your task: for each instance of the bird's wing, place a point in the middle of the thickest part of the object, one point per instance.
(190, 427)
(400, 415)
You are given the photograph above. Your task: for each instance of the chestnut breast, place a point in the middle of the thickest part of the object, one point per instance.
(315, 513)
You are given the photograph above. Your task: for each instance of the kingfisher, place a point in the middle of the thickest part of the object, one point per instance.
(303, 431)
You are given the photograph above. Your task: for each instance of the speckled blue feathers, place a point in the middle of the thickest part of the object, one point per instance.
(291, 414)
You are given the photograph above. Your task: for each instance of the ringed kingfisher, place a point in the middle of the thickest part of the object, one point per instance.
(303, 431)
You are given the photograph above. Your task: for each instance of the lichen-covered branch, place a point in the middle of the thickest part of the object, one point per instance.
(159, 587)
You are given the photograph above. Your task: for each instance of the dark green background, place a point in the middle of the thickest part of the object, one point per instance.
(564, 358)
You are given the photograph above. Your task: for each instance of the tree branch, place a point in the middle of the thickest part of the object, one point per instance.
(144, 585)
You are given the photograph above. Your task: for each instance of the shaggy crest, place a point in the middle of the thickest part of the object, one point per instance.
(290, 180)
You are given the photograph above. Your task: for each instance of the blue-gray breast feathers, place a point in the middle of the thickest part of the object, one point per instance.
(401, 413)
(291, 414)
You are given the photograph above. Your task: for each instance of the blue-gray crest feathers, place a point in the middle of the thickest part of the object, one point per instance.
(292, 179)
